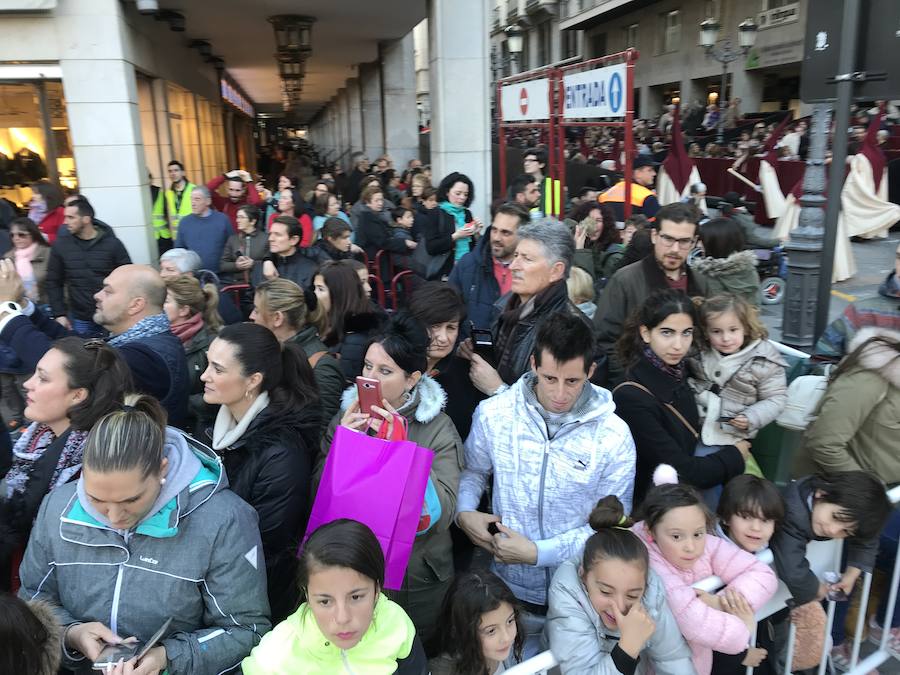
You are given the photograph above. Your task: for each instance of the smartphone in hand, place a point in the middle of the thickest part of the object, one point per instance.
(483, 343)
(112, 654)
(369, 392)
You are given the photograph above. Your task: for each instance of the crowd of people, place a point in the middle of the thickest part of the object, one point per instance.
(590, 399)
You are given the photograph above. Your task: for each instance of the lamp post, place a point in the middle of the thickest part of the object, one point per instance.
(709, 35)
(515, 41)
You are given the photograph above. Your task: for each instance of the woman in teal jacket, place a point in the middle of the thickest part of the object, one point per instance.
(346, 624)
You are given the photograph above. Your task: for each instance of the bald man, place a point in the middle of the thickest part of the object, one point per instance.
(130, 306)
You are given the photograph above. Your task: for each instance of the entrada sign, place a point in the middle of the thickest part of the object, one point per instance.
(595, 93)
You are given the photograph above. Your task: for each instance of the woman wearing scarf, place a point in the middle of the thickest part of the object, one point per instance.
(450, 228)
(656, 401)
(267, 433)
(29, 252)
(194, 319)
(75, 384)
(46, 209)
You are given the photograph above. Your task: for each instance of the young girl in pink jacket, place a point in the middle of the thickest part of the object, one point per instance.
(676, 527)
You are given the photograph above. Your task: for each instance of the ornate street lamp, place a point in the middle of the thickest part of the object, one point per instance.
(515, 42)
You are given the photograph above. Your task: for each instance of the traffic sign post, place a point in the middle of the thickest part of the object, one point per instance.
(594, 93)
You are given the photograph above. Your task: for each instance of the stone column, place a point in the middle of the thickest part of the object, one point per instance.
(398, 87)
(747, 85)
(373, 128)
(354, 100)
(105, 123)
(460, 107)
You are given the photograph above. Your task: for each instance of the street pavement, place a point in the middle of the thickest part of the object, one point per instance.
(874, 259)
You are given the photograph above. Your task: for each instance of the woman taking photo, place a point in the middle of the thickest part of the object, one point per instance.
(608, 609)
(46, 209)
(346, 624)
(281, 306)
(598, 243)
(285, 182)
(449, 229)
(194, 319)
(349, 319)
(246, 248)
(267, 433)
(74, 384)
(148, 532)
(396, 358)
(29, 252)
(482, 631)
(656, 401)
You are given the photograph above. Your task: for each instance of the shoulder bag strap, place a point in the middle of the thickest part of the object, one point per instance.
(671, 407)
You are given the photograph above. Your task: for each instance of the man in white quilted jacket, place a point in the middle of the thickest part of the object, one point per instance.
(552, 446)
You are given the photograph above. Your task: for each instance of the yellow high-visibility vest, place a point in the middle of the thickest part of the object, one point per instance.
(617, 194)
(168, 228)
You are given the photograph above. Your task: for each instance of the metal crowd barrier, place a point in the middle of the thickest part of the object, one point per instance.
(823, 556)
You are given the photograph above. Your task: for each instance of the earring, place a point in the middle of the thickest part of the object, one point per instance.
(162, 481)
(247, 394)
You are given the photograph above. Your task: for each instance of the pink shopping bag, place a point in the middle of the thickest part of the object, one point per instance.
(380, 483)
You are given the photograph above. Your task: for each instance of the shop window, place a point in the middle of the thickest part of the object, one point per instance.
(34, 139)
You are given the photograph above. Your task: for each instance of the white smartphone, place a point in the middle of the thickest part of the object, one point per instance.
(112, 654)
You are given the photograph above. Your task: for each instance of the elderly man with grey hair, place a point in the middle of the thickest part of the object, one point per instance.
(539, 269)
(204, 230)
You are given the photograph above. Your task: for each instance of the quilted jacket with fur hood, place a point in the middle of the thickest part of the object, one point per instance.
(750, 382)
(735, 274)
(858, 425)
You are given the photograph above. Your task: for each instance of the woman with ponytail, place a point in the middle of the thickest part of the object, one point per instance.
(608, 611)
(267, 433)
(149, 532)
(676, 528)
(194, 317)
(397, 358)
(74, 384)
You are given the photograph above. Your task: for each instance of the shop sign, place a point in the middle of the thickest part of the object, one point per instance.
(524, 101)
(779, 16)
(775, 55)
(27, 5)
(234, 97)
(595, 93)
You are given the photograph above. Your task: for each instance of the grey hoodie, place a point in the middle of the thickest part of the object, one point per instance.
(197, 558)
(583, 645)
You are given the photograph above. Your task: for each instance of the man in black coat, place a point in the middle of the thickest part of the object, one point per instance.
(78, 263)
(130, 306)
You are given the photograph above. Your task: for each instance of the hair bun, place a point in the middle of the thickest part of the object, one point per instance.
(665, 474)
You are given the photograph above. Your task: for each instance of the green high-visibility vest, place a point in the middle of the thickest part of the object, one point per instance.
(169, 204)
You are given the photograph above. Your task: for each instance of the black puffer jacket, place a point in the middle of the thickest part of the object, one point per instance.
(77, 267)
(270, 467)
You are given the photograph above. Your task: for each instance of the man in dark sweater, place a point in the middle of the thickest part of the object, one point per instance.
(76, 265)
(204, 231)
(130, 307)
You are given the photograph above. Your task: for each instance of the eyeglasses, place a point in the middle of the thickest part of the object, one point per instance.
(528, 160)
(683, 244)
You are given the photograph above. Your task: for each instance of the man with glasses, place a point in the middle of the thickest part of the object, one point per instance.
(673, 235)
(534, 162)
